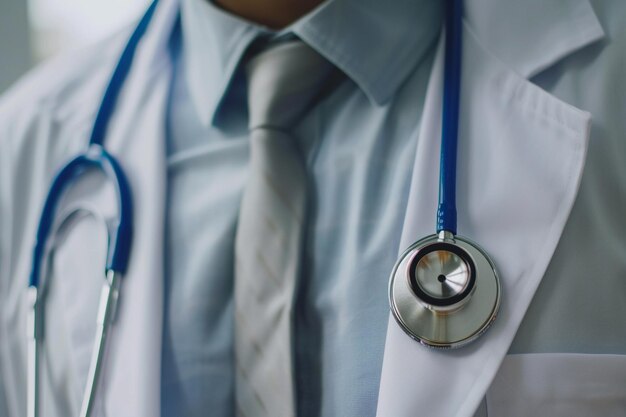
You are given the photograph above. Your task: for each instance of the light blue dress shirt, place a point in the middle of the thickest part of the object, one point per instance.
(359, 143)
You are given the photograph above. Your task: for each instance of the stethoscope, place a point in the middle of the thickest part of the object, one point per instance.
(444, 290)
(51, 226)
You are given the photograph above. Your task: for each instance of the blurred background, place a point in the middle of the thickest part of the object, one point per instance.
(34, 30)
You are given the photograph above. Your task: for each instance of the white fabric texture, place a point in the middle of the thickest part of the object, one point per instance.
(559, 385)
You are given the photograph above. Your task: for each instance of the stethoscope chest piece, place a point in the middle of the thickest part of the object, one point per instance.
(444, 291)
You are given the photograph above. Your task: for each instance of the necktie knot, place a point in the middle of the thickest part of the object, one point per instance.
(282, 82)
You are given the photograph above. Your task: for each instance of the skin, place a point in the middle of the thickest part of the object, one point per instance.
(275, 14)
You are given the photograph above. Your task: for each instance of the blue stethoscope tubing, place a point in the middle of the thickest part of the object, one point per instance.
(96, 158)
(446, 211)
(444, 290)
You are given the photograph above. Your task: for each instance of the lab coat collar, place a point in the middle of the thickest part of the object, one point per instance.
(531, 35)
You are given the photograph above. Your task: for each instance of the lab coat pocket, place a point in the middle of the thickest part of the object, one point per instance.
(559, 385)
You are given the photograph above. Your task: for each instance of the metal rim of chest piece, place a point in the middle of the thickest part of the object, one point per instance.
(444, 291)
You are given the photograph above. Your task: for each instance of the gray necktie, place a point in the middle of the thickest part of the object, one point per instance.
(282, 83)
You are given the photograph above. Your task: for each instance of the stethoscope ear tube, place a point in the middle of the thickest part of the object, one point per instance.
(109, 298)
(118, 255)
(120, 245)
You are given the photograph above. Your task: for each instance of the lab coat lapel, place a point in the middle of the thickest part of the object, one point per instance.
(521, 157)
(131, 382)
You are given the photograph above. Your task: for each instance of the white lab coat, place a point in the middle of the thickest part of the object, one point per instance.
(504, 115)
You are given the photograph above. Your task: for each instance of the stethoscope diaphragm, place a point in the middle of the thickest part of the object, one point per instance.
(444, 291)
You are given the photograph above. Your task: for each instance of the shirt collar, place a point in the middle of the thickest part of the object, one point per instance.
(213, 44)
(353, 34)
(377, 43)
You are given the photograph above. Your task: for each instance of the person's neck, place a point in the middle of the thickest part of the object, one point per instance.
(275, 14)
